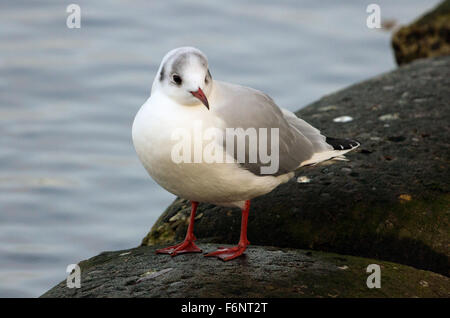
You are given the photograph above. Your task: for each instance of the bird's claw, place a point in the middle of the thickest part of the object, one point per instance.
(229, 253)
(187, 246)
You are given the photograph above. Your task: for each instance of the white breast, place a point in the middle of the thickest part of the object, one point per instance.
(219, 183)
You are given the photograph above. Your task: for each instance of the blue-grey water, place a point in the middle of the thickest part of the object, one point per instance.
(71, 185)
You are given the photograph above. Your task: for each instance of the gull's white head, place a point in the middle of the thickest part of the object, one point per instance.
(184, 76)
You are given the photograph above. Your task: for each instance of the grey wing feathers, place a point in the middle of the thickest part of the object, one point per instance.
(245, 108)
(313, 134)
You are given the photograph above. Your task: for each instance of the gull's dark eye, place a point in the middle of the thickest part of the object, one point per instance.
(177, 79)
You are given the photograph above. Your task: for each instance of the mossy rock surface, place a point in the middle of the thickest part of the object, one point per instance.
(429, 36)
(390, 201)
(261, 272)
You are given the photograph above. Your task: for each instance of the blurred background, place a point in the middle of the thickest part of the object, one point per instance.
(71, 185)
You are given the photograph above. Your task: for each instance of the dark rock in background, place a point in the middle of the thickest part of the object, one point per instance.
(263, 272)
(429, 36)
(390, 201)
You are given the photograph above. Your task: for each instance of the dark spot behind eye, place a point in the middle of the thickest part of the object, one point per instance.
(208, 76)
(176, 79)
(161, 75)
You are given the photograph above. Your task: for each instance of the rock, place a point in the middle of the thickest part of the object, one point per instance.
(429, 36)
(262, 272)
(363, 212)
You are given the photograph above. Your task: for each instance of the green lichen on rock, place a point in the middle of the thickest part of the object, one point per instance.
(170, 223)
(429, 36)
(390, 201)
(262, 272)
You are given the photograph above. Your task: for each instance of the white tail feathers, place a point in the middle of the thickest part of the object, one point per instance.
(327, 155)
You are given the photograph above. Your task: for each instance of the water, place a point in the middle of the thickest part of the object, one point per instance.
(71, 185)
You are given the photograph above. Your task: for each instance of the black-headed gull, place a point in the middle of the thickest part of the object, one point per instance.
(181, 137)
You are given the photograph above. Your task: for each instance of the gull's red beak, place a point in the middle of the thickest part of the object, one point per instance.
(201, 96)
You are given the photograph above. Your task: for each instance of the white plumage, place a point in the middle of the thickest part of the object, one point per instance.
(171, 107)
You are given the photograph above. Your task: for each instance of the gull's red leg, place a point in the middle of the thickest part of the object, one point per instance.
(227, 254)
(187, 246)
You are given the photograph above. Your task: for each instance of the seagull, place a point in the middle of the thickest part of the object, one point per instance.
(185, 102)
